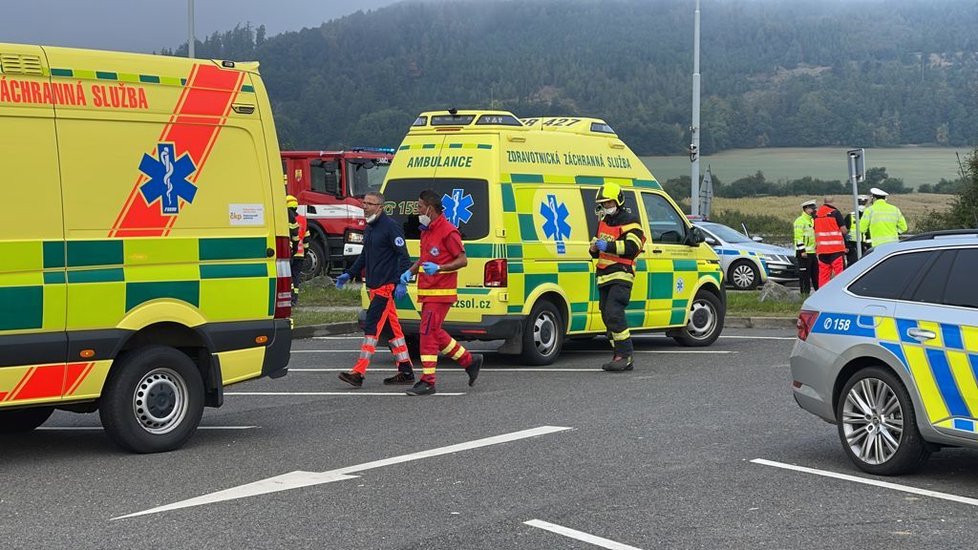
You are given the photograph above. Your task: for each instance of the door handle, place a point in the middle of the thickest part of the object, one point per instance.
(920, 334)
(657, 251)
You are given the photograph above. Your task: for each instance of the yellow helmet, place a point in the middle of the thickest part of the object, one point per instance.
(291, 201)
(610, 192)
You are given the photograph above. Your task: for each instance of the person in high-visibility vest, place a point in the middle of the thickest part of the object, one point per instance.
(383, 258)
(830, 245)
(884, 221)
(299, 233)
(805, 248)
(850, 222)
(618, 241)
(441, 256)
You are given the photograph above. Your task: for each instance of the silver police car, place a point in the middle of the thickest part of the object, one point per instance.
(888, 351)
(746, 262)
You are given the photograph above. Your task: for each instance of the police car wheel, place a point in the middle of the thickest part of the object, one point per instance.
(153, 400)
(543, 334)
(877, 424)
(705, 321)
(744, 275)
(23, 420)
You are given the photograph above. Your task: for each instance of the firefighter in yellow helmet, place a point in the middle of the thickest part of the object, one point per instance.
(299, 233)
(618, 242)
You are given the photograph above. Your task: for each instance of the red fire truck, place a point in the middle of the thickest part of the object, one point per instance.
(329, 186)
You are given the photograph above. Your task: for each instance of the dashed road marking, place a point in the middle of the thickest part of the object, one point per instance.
(579, 535)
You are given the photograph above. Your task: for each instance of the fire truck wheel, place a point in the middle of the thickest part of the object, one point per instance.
(317, 262)
(153, 400)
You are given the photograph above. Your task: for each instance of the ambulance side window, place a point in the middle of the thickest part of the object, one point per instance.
(665, 223)
(590, 205)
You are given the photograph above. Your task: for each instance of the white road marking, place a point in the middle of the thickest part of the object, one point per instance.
(487, 351)
(579, 535)
(350, 393)
(293, 480)
(79, 428)
(458, 371)
(865, 481)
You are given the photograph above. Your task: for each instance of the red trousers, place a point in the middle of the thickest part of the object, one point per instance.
(380, 312)
(830, 265)
(435, 340)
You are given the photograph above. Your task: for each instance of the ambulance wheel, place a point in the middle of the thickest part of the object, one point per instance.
(543, 334)
(705, 321)
(317, 261)
(23, 420)
(744, 275)
(877, 424)
(153, 400)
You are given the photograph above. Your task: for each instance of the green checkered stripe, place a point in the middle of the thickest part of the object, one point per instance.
(420, 146)
(132, 78)
(105, 279)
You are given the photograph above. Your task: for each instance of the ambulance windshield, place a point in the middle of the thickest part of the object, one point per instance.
(366, 175)
(466, 203)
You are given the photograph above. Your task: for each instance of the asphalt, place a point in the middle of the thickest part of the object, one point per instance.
(660, 457)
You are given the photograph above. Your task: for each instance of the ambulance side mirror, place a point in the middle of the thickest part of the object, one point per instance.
(696, 236)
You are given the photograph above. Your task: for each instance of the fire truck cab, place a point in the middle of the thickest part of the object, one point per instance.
(329, 186)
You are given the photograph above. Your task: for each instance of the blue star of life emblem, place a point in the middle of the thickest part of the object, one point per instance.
(556, 226)
(167, 178)
(680, 285)
(457, 206)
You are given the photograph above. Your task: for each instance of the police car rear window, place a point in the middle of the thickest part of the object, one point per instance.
(889, 279)
(466, 203)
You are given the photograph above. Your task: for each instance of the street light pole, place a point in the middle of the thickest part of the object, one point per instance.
(190, 29)
(694, 147)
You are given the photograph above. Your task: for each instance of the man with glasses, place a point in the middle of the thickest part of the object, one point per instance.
(383, 258)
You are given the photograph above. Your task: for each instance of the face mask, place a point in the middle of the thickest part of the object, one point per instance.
(425, 220)
(610, 211)
(371, 218)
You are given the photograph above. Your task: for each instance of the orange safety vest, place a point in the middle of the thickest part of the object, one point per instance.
(828, 235)
(613, 233)
(300, 249)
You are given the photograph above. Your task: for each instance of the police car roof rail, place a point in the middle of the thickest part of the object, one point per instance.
(930, 235)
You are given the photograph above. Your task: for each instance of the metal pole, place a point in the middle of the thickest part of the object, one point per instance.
(694, 148)
(190, 29)
(855, 204)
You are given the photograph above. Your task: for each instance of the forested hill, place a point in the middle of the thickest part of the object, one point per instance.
(864, 73)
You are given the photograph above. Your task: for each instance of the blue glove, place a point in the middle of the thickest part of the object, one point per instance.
(601, 245)
(430, 268)
(342, 279)
(400, 291)
(406, 277)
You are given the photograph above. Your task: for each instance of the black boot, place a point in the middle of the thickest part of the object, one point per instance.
(619, 364)
(473, 369)
(354, 379)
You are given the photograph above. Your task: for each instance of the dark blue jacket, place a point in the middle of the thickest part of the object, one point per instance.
(384, 256)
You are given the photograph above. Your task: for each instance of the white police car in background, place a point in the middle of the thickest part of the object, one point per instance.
(888, 351)
(748, 263)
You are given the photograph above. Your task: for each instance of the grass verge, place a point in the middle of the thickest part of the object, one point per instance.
(303, 318)
(321, 292)
(748, 304)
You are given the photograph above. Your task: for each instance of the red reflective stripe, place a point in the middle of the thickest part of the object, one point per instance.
(42, 381)
(193, 128)
(75, 375)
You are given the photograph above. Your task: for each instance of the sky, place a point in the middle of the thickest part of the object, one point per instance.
(150, 25)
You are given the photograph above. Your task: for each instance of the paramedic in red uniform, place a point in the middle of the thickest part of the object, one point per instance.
(830, 243)
(442, 255)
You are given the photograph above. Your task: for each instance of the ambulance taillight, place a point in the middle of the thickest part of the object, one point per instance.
(283, 278)
(495, 274)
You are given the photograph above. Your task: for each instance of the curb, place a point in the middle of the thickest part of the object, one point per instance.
(760, 322)
(328, 329)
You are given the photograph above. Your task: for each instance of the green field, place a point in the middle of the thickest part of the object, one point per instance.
(914, 165)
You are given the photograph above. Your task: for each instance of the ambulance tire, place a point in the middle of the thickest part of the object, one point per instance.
(167, 377)
(543, 334)
(705, 321)
(23, 420)
(743, 275)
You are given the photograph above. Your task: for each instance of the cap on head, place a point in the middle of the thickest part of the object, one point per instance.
(808, 204)
(863, 199)
(291, 201)
(878, 193)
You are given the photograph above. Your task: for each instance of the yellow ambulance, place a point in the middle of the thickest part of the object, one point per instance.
(144, 249)
(522, 194)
